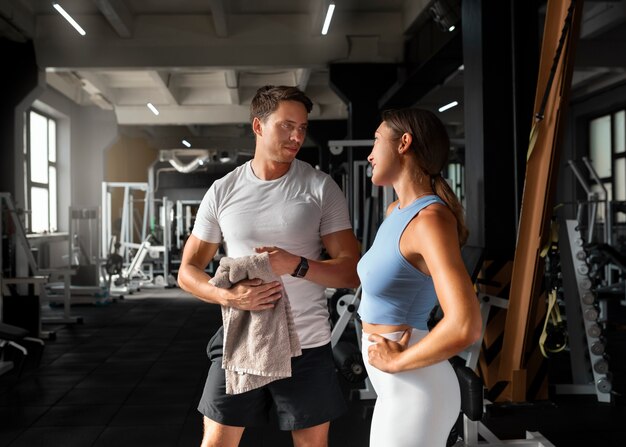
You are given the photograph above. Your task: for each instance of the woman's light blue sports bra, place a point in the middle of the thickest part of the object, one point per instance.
(392, 290)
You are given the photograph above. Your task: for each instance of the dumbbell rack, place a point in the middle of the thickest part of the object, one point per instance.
(590, 370)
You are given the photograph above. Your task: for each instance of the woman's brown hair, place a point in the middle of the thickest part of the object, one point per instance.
(431, 146)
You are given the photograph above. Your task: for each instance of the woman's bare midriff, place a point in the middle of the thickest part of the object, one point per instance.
(370, 328)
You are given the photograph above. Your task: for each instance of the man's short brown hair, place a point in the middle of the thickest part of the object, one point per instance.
(267, 99)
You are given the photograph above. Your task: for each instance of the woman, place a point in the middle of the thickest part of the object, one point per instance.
(414, 263)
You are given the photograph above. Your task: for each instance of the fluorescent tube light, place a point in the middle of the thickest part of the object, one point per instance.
(186, 143)
(69, 18)
(448, 106)
(329, 17)
(152, 108)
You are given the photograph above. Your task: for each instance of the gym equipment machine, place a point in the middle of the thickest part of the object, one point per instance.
(347, 355)
(184, 216)
(590, 371)
(561, 27)
(133, 237)
(127, 228)
(589, 263)
(84, 258)
(367, 202)
(40, 278)
(15, 347)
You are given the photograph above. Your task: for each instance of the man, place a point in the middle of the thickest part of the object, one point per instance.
(280, 205)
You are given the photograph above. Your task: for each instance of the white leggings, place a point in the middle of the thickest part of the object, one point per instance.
(415, 408)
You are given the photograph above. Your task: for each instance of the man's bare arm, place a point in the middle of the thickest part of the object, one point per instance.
(245, 295)
(338, 271)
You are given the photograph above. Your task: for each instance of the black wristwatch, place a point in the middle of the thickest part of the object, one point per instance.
(302, 268)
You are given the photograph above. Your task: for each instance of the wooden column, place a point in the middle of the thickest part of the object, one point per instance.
(537, 200)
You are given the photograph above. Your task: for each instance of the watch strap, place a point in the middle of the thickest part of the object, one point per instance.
(302, 268)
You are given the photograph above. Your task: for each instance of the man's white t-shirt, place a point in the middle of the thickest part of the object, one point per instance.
(292, 213)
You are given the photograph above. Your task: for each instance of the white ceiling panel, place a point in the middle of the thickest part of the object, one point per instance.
(201, 61)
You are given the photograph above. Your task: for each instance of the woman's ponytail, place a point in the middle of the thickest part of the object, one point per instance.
(443, 190)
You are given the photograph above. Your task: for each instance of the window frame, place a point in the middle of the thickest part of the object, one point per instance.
(614, 155)
(29, 184)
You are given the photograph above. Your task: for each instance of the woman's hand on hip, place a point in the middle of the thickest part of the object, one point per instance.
(385, 354)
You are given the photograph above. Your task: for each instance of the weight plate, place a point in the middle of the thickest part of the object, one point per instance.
(588, 298)
(591, 314)
(597, 348)
(594, 331)
(601, 366)
(604, 385)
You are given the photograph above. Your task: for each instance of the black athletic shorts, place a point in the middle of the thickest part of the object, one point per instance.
(311, 396)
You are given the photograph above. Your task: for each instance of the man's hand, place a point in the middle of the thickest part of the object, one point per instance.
(253, 294)
(384, 354)
(282, 262)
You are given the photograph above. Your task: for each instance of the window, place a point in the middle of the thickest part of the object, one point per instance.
(41, 173)
(456, 180)
(619, 154)
(607, 153)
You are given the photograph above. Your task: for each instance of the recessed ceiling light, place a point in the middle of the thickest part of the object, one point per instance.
(186, 143)
(448, 106)
(225, 157)
(152, 108)
(69, 18)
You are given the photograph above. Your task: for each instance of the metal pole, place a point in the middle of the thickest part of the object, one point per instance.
(594, 174)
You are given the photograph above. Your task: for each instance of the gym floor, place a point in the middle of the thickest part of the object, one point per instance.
(132, 373)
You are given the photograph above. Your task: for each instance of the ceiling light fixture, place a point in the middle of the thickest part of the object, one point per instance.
(445, 13)
(329, 17)
(452, 28)
(152, 108)
(225, 157)
(69, 18)
(448, 106)
(186, 143)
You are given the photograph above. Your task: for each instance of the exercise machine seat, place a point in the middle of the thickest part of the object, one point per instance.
(12, 333)
(472, 390)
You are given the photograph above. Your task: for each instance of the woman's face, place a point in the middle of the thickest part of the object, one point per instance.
(385, 156)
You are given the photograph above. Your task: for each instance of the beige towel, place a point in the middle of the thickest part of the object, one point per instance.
(258, 345)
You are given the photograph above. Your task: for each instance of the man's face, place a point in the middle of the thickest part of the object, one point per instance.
(280, 137)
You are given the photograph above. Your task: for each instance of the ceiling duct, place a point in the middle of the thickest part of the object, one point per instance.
(176, 156)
